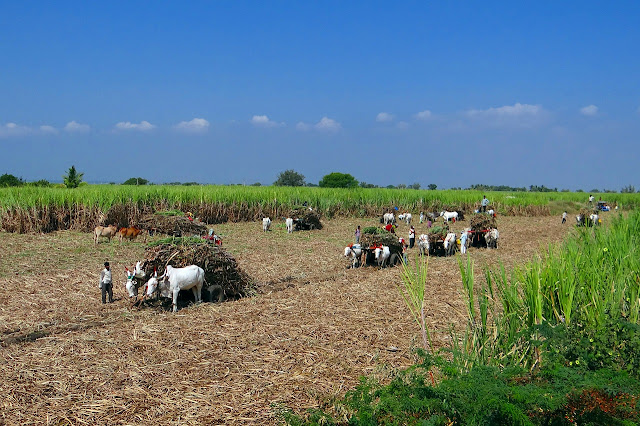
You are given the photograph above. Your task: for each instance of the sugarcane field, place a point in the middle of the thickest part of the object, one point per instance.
(286, 319)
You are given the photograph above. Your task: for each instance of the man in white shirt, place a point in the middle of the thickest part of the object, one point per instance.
(106, 285)
(484, 203)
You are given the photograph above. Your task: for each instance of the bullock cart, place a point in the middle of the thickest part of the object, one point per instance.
(481, 223)
(305, 219)
(223, 278)
(436, 237)
(373, 238)
(477, 238)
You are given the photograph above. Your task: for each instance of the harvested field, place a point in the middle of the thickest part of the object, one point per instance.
(313, 329)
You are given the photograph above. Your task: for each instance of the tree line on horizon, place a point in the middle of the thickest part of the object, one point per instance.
(72, 179)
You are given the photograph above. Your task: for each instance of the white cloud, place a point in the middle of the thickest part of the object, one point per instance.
(49, 130)
(517, 110)
(402, 125)
(328, 124)
(13, 129)
(519, 115)
(75, 127)
(263, 121)
(197, 125)
(143, 126)
(384, 117)
(589, 110)
(302, 126)
(423, 115)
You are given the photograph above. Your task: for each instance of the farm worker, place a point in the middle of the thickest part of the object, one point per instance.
(404, 253)
(429, 223)
(412, 236)
(358, 235)
(421, 217)
(463, 242)
(106, 286)
(564, 217)
(484, 203)
(591, 198)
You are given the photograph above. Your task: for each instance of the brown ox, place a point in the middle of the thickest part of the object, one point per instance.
(104, 231)
(130, 233)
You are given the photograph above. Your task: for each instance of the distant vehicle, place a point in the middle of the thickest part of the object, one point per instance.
(603, 206)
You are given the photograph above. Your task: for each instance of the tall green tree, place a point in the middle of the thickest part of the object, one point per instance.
(10, 180)
(136, 181)
(338, 180)
(72, 179)
(290, 178)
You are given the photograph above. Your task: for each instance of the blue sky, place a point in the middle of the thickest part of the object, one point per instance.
(444, 92)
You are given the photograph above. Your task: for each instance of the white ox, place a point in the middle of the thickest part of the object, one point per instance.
(266, 224)
(406, 217)
(132, 288)
(130, 285)
(382, 255)
(491, 237)
(450, 243)
(388, 218)
(449, 215)
(176, 279)
(137, 271)
(289, 223)
(423, 244)
(355, 253)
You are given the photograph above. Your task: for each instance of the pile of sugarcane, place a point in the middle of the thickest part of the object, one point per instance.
(174, 225)
(482, 221)
(220, 267)
(437, 233)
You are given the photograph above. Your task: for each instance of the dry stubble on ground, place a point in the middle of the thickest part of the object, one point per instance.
(311, 331)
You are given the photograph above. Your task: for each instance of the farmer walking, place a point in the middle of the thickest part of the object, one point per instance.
(106, 285)
(564, 217)
(358, 235)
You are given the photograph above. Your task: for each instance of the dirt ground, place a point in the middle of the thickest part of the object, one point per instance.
(313, 329)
